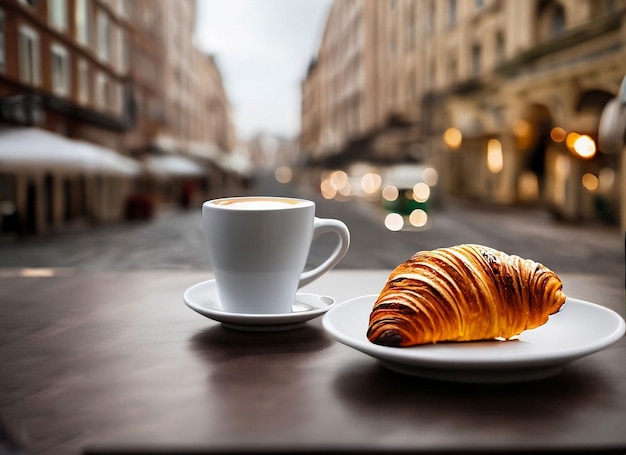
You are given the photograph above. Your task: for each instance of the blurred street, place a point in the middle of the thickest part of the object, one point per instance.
(174, 241)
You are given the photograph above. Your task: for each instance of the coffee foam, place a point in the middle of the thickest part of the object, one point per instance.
(259, 203)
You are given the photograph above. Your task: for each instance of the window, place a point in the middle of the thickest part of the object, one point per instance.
(451, 13)
(57, 14)
(81, 17)
(550, 21)
(29, 57)
(500, 50)
(115, 101)
(409, 28)
(476, 60)
(3, 57)
(83, 82)
(452, 69)
(557, 22)
(60, 70)
(429, 24)
(121, 49)
(104, 36)
(103, 91)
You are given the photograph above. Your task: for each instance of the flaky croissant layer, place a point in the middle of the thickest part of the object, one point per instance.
(463, 293)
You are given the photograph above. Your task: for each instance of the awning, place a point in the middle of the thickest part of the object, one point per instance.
(104, 159)
(40, 150)
(236, 162)
(173, 166)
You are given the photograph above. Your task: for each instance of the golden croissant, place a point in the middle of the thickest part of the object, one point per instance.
(463, 293)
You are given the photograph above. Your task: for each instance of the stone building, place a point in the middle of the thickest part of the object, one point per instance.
(99, 98)
(516, 82)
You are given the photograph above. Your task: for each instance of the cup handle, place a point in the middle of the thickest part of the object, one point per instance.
(322, 226)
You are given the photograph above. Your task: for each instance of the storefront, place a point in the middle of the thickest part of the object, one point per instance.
(48, 181)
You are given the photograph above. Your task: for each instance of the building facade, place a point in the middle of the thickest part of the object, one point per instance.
(119, 85)
(516, 82)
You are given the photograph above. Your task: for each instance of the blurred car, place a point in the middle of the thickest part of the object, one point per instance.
(406, 193)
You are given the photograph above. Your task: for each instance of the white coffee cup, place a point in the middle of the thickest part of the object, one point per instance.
(258, 247)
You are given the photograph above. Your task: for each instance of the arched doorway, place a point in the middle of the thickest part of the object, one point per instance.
(599, 174)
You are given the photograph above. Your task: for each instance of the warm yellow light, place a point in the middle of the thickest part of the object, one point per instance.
(394, 222)
(590, 181)
(571, 139)
(528, 186)
(418, 218)
(522, 129)
(421, 192)
(390, 193)
(37, 273)
(562, 171)
(558, 134)
(338, 179)
(327, 189)
(283, 174)
(453, 138)
(370, 182)
(430, 176)
(585, 147)
(495, 161)
(345, 190)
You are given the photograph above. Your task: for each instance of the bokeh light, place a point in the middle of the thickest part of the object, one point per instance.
(558, 134)
(585, 147)
(522, 129)
(390, 193)
(421, 192)
(418, 218)
(338, 179)
(327, 189)
(430, 176)
(394, 222)
(453, 138)
(370, 182)
(283, 174)
(590, 181)
(495, 161)
(571, 139)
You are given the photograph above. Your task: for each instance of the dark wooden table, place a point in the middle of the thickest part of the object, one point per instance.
(116, 363)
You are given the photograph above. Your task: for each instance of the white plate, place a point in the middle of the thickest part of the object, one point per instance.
(580, 328)
(203, 299)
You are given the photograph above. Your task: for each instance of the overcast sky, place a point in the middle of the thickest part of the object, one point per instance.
(263, 48)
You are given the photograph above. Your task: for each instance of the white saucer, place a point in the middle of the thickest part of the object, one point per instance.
(580, 328)
(203, 299)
